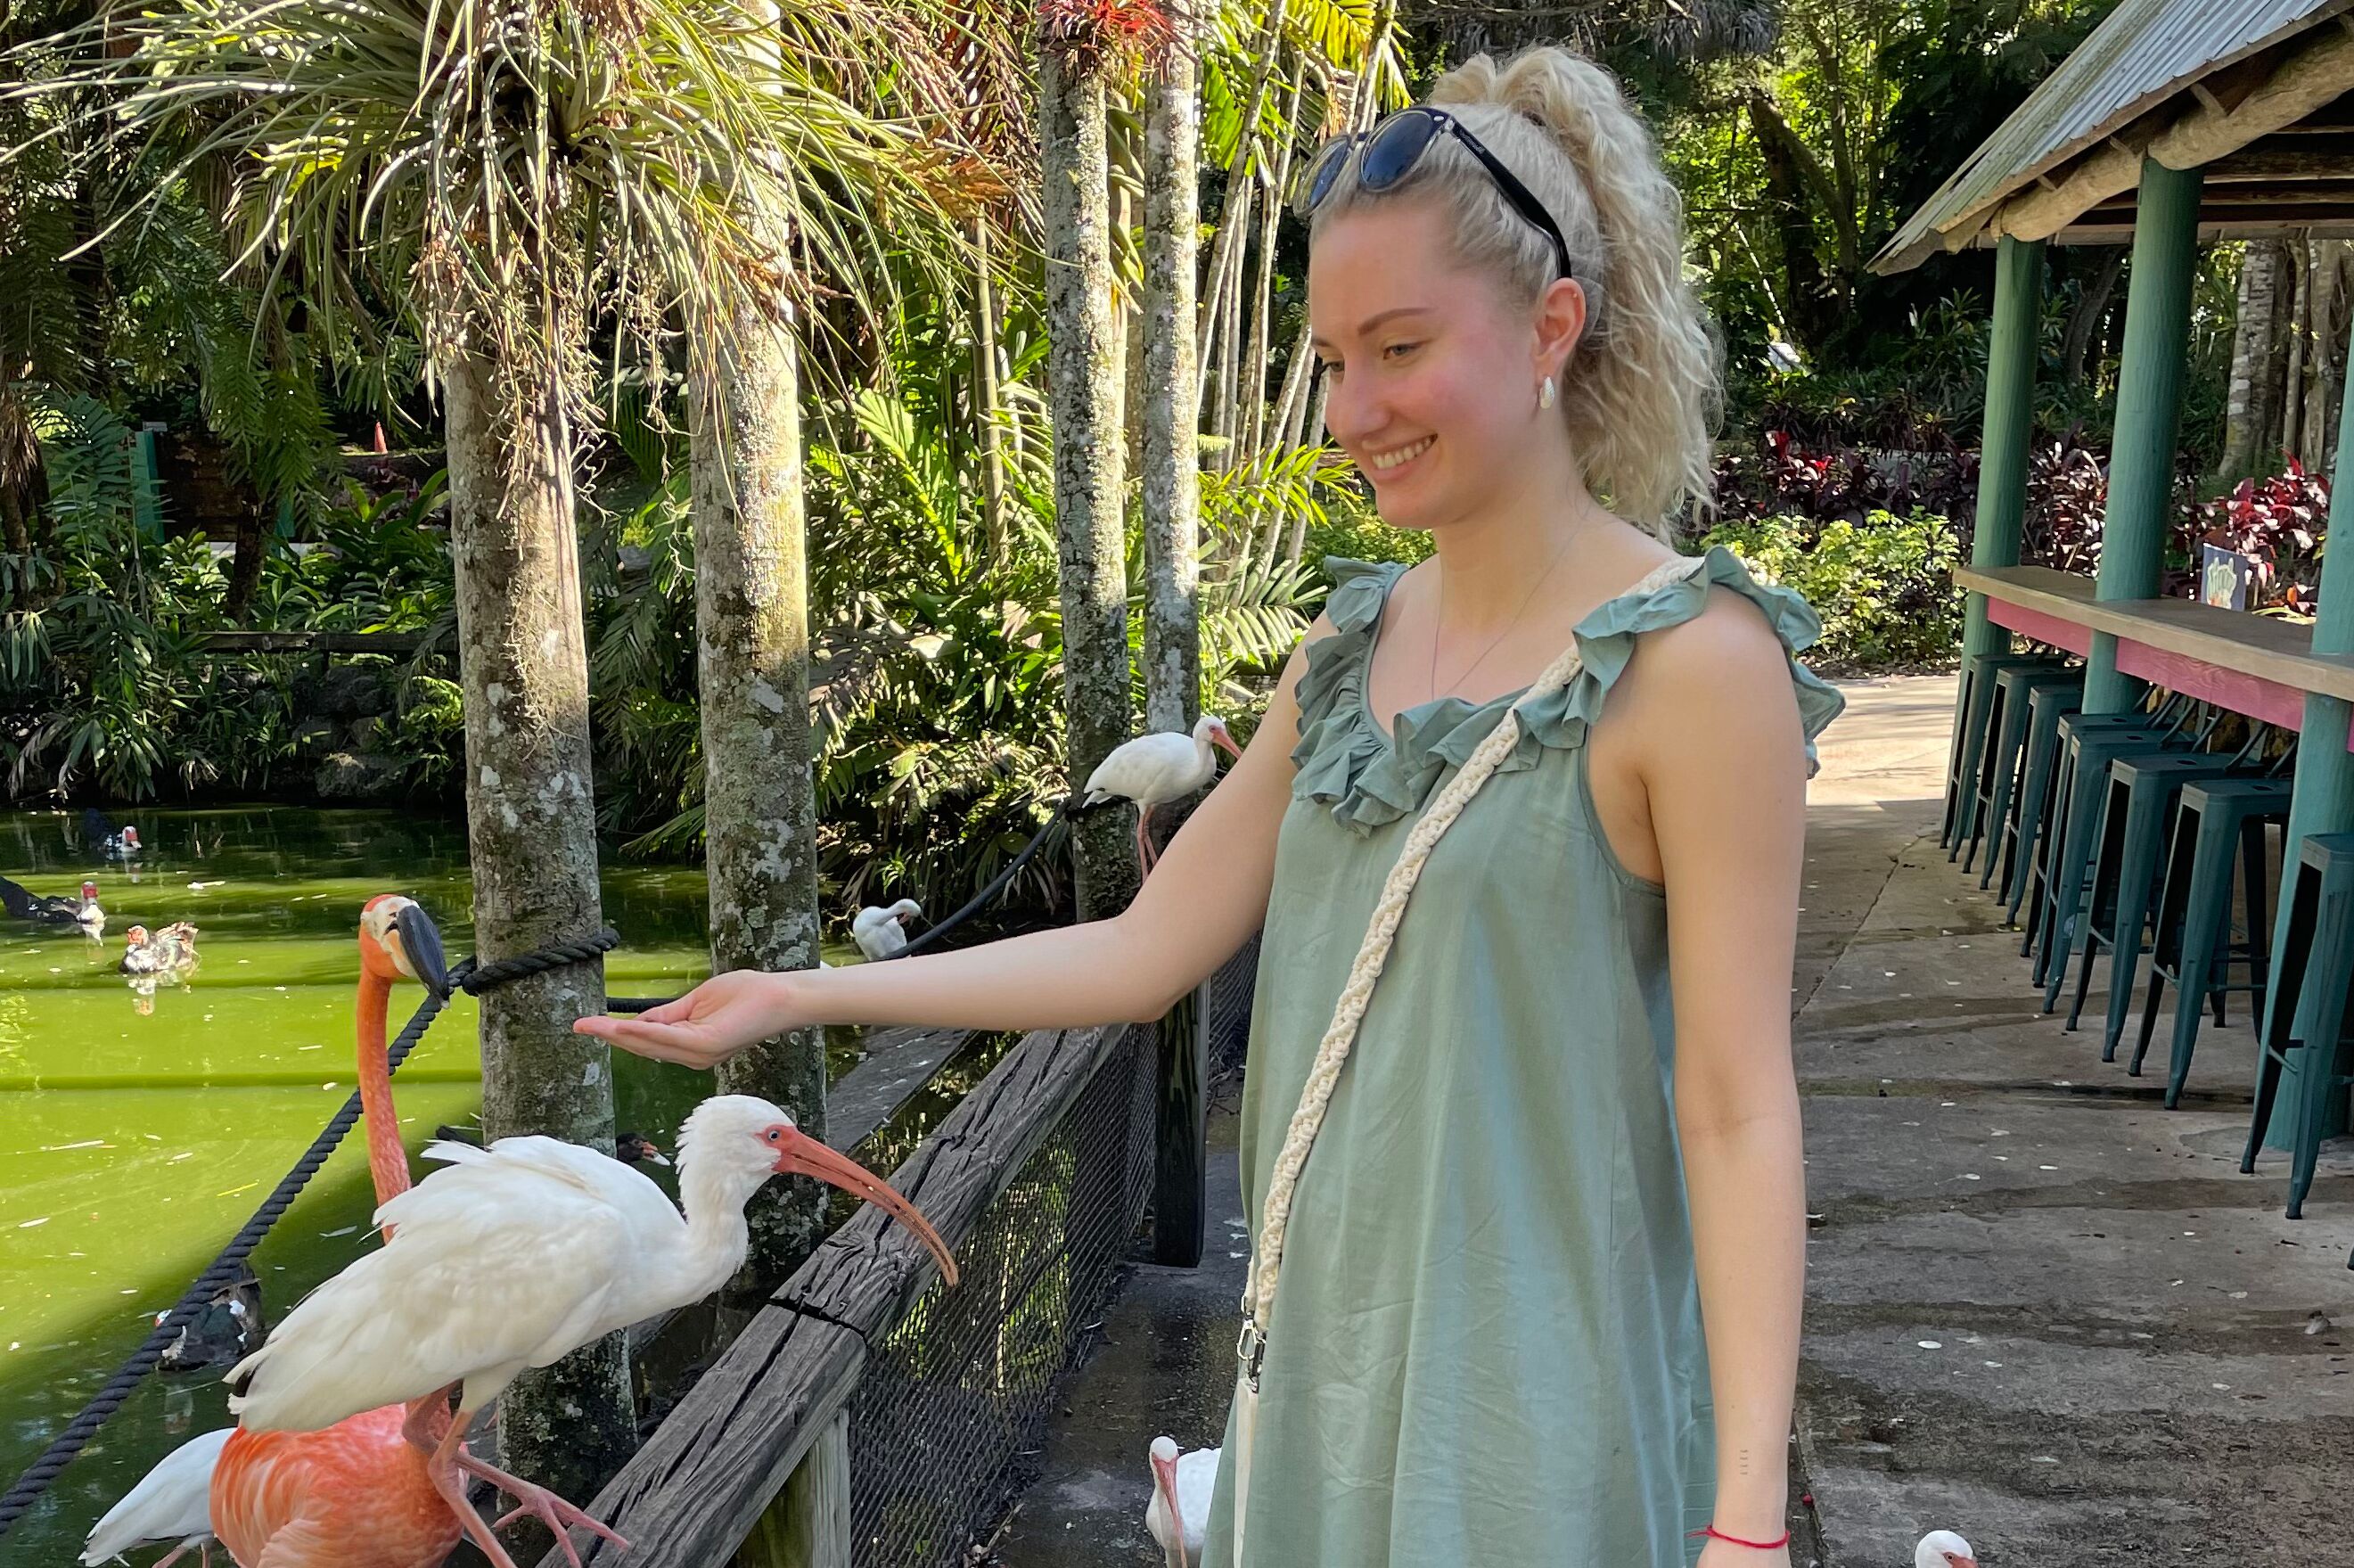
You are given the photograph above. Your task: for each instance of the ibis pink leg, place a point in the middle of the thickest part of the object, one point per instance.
(541, 1504)
(441, 1467)
(1144, 856)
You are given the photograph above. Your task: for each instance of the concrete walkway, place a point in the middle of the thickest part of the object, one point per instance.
(2041, 1310)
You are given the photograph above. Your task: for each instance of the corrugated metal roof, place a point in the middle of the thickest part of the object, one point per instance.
(2145, 52)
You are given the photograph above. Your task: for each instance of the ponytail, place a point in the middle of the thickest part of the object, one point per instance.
(1641, 392)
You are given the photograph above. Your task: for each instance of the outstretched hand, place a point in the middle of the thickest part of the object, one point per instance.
(708, 1024)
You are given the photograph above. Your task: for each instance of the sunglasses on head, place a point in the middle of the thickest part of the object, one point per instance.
(1385, 154)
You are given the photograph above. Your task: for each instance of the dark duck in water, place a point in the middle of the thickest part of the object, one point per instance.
(99, 831)
(221, 1332)
(44, 910)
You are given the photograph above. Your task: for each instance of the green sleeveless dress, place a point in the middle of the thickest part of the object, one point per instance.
(1486, 1343)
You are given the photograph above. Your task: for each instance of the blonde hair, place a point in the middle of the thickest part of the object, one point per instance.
(1639, 393)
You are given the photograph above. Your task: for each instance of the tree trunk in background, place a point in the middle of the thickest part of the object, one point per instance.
(531, 828)
(2086, 319)
(985, 399)
(1806, 293)
(245, 565)
(2259, 347)
(1172, 469)
(751, 612)
(1234, 217)
(2326, 298)
(1123, 311)
(1086, 405)
(1250, 423)
(2300, 264)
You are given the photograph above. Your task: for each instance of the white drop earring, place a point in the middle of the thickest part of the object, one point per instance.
(1544, 393)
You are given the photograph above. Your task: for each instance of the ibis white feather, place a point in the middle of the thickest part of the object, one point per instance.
(879, 932)
(172, 1502)
(1943, 1549)
(1182, 1483)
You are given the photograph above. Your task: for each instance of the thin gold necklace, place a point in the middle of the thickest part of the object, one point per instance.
(1559, 552)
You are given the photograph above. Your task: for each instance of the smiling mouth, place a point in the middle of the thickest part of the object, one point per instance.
(1382, 462)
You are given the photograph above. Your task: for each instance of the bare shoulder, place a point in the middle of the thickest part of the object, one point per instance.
(1718, 681)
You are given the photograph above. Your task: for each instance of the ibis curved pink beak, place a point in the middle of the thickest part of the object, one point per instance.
(801, 1155)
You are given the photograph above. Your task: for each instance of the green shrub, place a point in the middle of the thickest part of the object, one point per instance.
(1882, 587)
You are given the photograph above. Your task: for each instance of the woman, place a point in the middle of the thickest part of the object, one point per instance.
(1540, 1298)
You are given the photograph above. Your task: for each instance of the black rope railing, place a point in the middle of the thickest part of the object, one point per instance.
(467, 975)
(474, 978)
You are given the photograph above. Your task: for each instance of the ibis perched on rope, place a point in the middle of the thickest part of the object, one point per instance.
(172, 1503)
(514, 1256)
(1154, 770)
(879, 932)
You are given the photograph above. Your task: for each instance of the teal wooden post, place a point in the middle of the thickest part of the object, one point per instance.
(2324, 798)
(146, 486)
(2002, 443)
(2150, 408)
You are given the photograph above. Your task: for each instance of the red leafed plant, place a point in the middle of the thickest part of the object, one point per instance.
(1093, 34)
(2277, 522)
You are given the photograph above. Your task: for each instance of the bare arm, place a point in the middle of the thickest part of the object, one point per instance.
(1722, 758)
(1206, 894)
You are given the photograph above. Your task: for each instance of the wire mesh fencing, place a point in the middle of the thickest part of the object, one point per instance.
(954, 1401)
(1226, 1012)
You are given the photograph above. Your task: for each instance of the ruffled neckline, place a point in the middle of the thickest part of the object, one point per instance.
(1370, 779)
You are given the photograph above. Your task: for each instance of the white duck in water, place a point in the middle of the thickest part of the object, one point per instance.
(169, 952)
(1179, 1509)
(1943, 1549)
(1154, 770)
(879, 932)
(173, 1503)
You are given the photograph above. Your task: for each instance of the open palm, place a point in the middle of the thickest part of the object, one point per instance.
(705, 1026)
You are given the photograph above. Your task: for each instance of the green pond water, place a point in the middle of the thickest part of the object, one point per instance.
(137, 1133)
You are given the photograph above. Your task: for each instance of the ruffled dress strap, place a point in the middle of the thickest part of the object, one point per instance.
(1369, 780)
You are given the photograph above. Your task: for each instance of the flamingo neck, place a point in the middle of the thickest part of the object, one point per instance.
(387, 1161)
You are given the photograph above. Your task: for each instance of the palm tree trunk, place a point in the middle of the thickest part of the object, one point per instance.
(2257, 347)
(2087, 316)
(1085, 403)
(245, 565)
(751, 601)
(531, 824)
(2325, 312)
(984, 362)
(2300, 260)
(1251, 418)
(1172, 473)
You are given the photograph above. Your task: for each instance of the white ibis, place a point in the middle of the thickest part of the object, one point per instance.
(1179, 1509)
(171, 1503)
(512, 1256)
(1154, 770)
(1943, 1549)
(878, 933)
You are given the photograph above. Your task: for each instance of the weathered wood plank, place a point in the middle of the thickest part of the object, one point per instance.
(695, 1489)
(899, 1063)
(808, 1525)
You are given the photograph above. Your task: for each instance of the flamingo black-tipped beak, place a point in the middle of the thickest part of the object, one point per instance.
(420, 943)
(802, 1155)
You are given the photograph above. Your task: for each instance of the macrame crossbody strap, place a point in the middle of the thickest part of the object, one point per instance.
(1357, 993)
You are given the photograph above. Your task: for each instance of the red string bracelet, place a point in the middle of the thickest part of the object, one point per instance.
(1716, 1534)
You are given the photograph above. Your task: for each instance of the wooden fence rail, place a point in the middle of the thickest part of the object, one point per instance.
(699, 1486)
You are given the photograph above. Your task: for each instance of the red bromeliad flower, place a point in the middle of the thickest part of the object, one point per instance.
(1093, 35)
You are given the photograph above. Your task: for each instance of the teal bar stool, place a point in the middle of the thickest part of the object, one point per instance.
(2022, 834)
(1989, 818)
(2086, 752)
(2136, 822)
(1973, 716)
(2043, 865)
(2193, 947)
(2309, 1013)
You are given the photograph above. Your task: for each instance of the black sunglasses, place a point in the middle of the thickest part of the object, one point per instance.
(1389, 149)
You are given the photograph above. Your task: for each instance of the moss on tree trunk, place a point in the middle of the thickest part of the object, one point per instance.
(759, 804)
(531, 832)
(1084, 391)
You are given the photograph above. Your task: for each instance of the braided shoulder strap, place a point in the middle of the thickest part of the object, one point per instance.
(1332, 1051)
